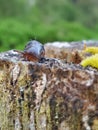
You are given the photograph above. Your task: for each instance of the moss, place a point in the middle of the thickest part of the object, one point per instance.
(49, 122)
(92, 50)
(91, 61)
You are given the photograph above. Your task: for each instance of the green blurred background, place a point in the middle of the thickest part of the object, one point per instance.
(46, 21)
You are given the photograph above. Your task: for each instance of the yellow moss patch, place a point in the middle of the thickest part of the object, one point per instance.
(90, 61)
(92, 50)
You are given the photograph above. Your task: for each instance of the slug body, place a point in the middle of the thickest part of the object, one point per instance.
(34, 51)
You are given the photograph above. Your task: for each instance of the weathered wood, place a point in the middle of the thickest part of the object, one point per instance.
(47, 96)
(70, 52)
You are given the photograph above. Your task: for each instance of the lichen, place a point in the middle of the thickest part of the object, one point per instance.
(95, 124)
(90, 61)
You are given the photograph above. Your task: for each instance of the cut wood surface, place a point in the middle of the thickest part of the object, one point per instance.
(50, 95)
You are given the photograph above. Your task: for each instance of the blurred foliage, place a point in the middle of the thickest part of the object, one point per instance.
(45, 20)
